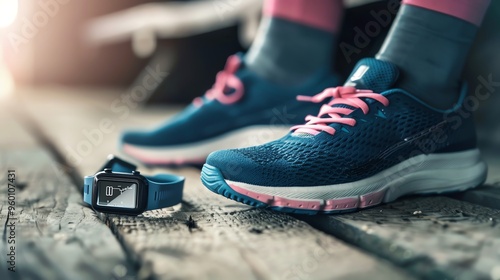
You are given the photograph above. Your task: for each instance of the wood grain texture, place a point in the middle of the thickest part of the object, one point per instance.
(434, 237)
(56, 236)
(211, 237)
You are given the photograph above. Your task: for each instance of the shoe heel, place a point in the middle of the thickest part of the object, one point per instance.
(440, 173)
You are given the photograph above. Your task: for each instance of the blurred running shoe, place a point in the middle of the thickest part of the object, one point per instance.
(241, 109)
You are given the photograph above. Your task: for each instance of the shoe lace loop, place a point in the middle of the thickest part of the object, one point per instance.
(328, 114)
(228, 88)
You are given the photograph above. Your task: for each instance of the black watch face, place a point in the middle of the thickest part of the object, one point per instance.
(117, 194)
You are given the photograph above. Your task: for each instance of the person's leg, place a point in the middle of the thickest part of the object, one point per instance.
(295, 39)
(378, 137)
(253, 99)
(429, 42)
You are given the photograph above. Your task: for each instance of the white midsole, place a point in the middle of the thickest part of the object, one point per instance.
(420, 174)
(244, 137)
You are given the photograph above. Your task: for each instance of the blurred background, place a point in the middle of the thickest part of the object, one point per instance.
(112, 44)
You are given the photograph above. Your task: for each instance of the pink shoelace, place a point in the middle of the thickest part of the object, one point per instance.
(327, 114)
(225, 79)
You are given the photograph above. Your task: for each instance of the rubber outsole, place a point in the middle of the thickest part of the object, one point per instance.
(214, 180)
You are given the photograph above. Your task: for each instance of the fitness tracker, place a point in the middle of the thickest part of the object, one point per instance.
(118, 188)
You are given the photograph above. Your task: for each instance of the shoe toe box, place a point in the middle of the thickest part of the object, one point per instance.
(235, 165)
(231, 164)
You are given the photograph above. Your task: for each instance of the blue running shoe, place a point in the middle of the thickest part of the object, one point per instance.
(368, 145)
(240, 110)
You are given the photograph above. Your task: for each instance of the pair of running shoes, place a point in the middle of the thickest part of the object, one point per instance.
(361, 144)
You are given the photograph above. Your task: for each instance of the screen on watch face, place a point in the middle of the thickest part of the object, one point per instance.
(117, 194)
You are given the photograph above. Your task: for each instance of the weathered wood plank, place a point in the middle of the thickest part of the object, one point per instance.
(228, 240)
(56, 237)
(434, 237)
(223, 239)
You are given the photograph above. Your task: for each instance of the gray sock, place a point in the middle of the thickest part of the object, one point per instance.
(287, 52)
(430, 49)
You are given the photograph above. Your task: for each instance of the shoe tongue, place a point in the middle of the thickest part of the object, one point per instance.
(373, 74)
(369, 73)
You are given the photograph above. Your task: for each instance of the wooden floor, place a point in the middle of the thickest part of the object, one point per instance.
(44, 138)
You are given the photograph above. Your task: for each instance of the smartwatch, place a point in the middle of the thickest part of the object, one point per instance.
(118, 188)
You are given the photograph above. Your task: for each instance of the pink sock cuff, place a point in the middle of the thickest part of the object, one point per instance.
(322, 14)
(472, 11)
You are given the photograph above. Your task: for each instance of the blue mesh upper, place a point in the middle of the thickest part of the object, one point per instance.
(375, 143)
(368, 148)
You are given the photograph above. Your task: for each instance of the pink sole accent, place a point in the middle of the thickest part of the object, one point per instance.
(331, 205)
(137, 153)
(371, 199)
(468, 10)
(322, 14)
(341, 204)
